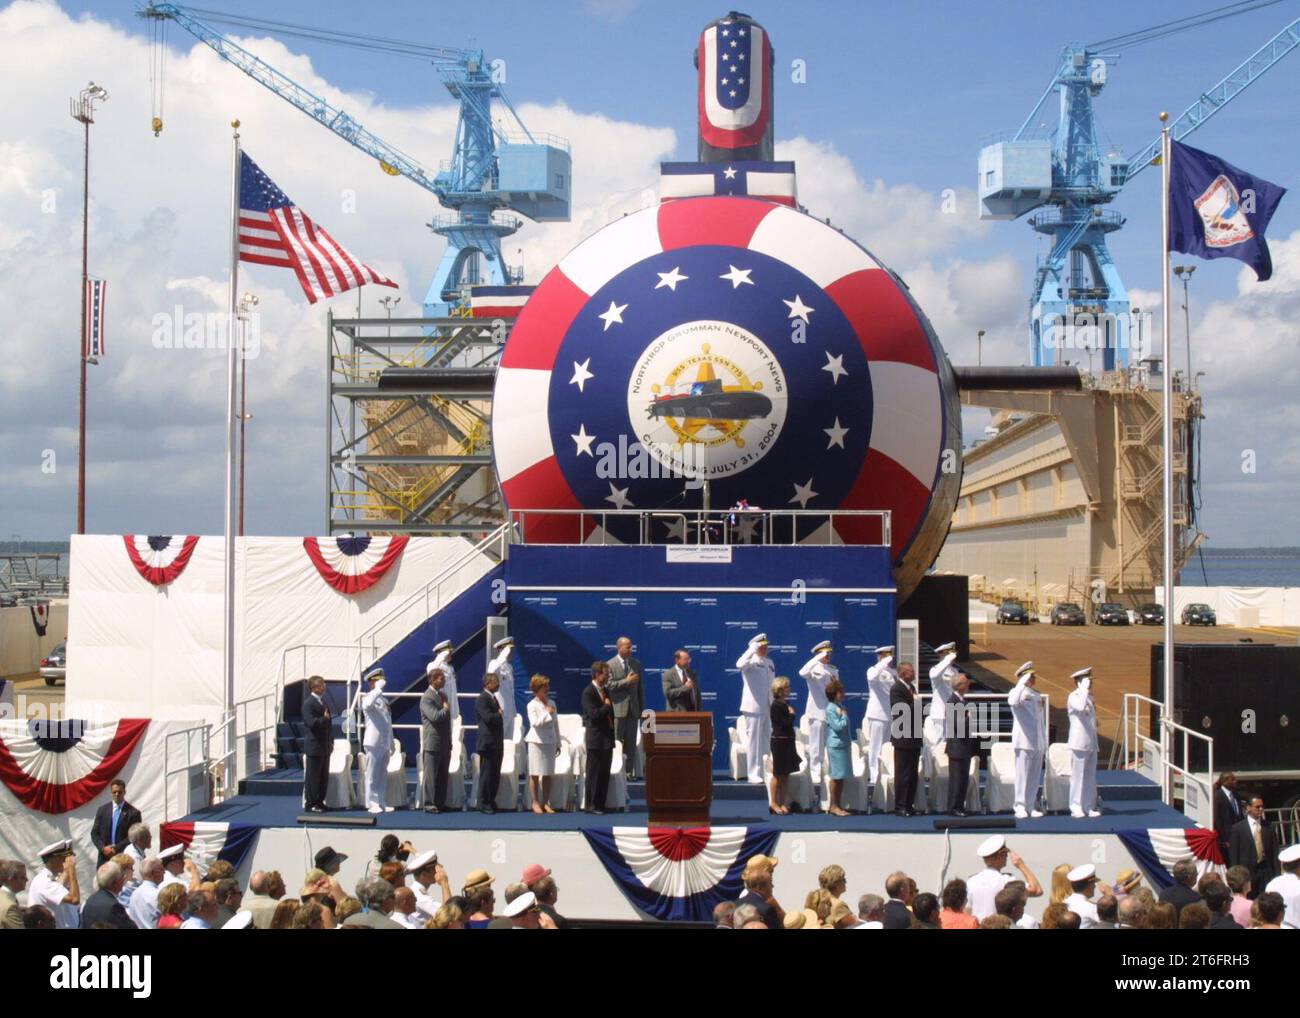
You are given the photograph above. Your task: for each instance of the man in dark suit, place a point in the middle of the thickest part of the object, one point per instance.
(113, 821)
(317, 745)
(899, 888)
(1227, 809)
(1218, 899)
(962, 744)
(598, 719)
(905, 735)
(627, 693)
(435, 721)
(681, 684)
(1253, 844)
(103, 906)
(1182, 892)
(490, 742)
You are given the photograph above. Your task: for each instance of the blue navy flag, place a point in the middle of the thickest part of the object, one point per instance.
(1219, 211)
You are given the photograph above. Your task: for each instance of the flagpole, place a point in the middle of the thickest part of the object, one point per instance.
(232, 353)
(1166, 742)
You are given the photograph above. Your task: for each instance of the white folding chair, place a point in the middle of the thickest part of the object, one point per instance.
(1002, 778)
(395, 781)
(561, 780)
(798, 786)
(508, 786)
(884, 797)
(738, 733)
(1060, 762)
(853, 794)
(341, 791)
(939, 783)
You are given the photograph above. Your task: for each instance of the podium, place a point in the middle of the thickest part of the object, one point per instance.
(679, 767)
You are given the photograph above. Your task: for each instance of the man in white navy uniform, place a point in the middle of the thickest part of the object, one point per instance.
(505, 673)
(55, 886)
(941, 676)
(442, 660)
(757, 671)
(377, 741)
(1083, 747)
(1083, 880)
(1028, 740)
(1288, 885)
(880, 678)
(982, 888)
(818, 672)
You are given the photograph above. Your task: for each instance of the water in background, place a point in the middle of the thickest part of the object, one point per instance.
(1225, 571)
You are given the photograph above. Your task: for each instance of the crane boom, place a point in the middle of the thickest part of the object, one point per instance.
(319, 109)
(1214, 99)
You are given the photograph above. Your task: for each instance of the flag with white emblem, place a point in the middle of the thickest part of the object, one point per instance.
(735, 86)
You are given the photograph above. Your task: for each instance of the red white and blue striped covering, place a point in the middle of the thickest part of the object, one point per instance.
(1156, 850)
(56, 766)
(498, 301)
(206, 842)
(159, 559)
(769, 181)
(353, 564)
(676, 873)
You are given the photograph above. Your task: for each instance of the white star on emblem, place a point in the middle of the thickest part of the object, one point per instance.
(836, 434)
(732, 93)
(729, 172)
(741, 80)
(670, 279)
(724, 81)
(677, 530)
(732, 68)
(835, 365)
(726, 32)
(734, 43)
(798, 309)
(741, 57)
(803, 494)
(618, 496)
(737, 276)
(581, 374)
(747, 529)
(614, 314)
(583, 442)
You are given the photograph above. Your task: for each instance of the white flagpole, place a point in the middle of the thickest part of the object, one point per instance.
(228, 636)
(1166, 742)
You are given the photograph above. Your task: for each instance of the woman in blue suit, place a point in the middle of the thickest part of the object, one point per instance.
(838, 738)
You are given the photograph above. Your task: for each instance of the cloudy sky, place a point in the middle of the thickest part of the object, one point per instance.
(896, 103)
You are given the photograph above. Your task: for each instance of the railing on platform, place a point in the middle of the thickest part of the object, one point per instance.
(185, 756)
(715, 526)
(1287, 821)
(255, 720)
(1141, 749)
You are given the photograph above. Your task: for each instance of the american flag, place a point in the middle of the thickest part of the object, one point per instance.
(93, 345)
(274, 231)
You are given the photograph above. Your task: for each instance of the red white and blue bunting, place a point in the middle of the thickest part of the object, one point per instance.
(56, 766)
(159, 559)
(353, 564)
(676, 873)
(206, 842)
(1156, 850)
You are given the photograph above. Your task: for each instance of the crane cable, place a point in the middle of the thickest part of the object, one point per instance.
(1168, 28)
(157, 73)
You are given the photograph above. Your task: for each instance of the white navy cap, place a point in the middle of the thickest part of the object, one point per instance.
(886, 649)
(239, 921)
(1082, 673)
(171, 853)
(1289, 855)
(1024, 669)
(418, 862)
(520, 905)
(508, 641)
(760, 640)
(56, 848)
(441, 646)
(824, 645)
(1085, 872)
(991, 846)
(374, 673)
(946, 648)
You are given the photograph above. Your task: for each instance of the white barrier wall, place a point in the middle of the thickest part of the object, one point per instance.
(21, 649)
(136, 650)
(1242, 606)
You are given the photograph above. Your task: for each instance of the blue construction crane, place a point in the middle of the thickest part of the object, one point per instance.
(1078, 294)
(492, 171)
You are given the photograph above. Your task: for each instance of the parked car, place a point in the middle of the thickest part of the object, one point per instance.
(1068, 615)
(1012, 610)
(1150, 615)
(55, 667)
(1110, 614)
(1199, 615)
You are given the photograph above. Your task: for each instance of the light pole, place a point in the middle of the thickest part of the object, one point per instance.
(1184, 272)
(390, 303)
(979, 347)
(246, 304)
(82, 109)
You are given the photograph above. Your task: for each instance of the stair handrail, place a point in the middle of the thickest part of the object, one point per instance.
(499, 536)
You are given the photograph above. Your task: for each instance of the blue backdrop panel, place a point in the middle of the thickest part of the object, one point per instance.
(569, 605)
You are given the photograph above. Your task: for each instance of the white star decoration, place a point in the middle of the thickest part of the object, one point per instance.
(583, 442)
(618, 496)
(677, 529)
(670, 279)
(746, 529)
(835, 365)
(730, 171)
(798, 309)
(803, 494)
(581, 374)
(737, 276)
(836, 434)
(613, 315)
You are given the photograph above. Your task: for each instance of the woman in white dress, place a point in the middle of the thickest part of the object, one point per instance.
(543, 739)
